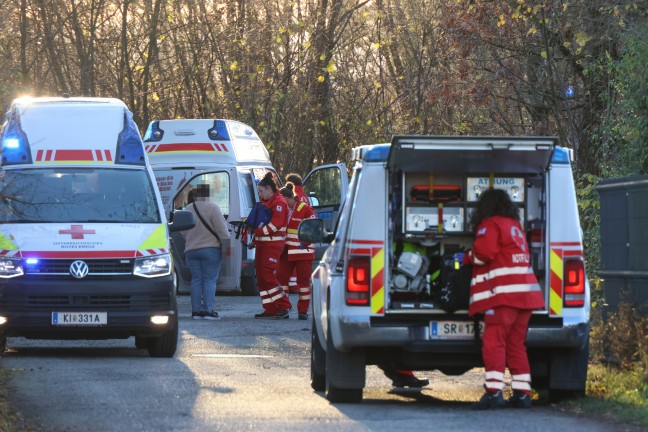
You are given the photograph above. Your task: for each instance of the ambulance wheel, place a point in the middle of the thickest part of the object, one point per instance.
(318, 362)
(3, 344)
(249, 286)
(164, 345)
(345, 373)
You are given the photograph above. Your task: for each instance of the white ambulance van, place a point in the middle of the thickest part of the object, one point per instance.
(228, 156)
(84, 242)
(378, 292)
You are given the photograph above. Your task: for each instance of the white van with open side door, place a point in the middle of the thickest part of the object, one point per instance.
(84, 242)
(378, 292)
(228, 156)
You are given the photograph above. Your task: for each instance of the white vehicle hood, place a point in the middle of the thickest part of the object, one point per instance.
(83, 240)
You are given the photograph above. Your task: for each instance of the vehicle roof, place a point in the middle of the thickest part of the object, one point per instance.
(204, 142)
(72, 131)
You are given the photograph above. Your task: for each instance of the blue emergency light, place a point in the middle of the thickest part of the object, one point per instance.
(130, 148)
(560, 156)
(15, 145)
(153, 132)
(219, 131)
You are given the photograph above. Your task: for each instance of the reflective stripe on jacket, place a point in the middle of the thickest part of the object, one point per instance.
(275, 230)
(502, 275)
(295, 249)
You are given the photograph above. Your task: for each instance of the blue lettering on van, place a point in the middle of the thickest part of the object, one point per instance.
(325, 215)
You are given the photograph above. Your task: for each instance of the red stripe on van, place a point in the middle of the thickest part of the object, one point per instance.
(184, 147)
(78, 254)
(367, 242)
(98, 153)
(48, 155)
(359, 251)
(557, 244)
(108, 155)
(39, 155)
(74, 155)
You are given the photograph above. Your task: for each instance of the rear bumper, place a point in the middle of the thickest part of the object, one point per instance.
(129, 302)
(351, 332)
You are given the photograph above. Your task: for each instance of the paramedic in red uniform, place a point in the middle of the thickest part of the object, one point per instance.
(504, 288)
(301, 197)
(269, 241)
(299, 192)
(297, 256)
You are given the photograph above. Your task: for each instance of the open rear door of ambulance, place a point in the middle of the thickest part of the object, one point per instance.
(470, 154)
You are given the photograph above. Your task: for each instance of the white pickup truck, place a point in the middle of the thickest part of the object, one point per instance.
(377, 293)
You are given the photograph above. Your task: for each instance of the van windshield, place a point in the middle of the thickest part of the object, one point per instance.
(77, 195)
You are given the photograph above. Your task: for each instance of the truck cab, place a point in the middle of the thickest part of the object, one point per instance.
(378, 289)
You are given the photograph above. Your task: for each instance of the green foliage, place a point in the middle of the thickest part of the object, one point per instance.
(623, 394)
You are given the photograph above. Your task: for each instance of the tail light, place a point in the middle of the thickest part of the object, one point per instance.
(358, 286)
(574, 282)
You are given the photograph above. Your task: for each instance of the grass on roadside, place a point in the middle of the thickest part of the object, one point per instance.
(7, 418)
(620, 394)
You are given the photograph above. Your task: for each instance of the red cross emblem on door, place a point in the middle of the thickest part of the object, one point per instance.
(77, 232)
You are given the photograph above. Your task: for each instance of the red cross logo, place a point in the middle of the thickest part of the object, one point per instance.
(77, 232)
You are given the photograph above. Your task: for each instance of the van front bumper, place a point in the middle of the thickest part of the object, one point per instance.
(28, 303)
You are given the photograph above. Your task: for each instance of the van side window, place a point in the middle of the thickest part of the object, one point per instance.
(325, 186)
(247, 191)
(219, 189)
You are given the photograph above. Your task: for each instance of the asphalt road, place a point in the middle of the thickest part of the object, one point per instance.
(239, 374)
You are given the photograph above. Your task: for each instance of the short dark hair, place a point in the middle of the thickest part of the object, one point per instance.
(295, 178)
(494, 202)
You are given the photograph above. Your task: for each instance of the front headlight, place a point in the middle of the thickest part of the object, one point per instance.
(10, 268)
(153, 266)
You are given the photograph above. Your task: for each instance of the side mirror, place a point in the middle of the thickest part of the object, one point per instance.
(312, 231)
(182, 220)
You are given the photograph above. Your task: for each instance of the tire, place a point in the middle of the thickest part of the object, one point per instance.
(164, 345)
(3, 344)
(345, 373)
(566, 376)
(318, 362)
(249, 286)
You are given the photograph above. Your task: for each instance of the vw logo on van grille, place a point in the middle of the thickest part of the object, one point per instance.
(79, 269)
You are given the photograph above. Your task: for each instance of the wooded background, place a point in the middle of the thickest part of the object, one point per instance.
(315, 78)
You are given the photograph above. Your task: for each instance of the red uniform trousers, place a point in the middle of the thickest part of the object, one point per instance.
(503, 345)
(302, 268)
(266, 262)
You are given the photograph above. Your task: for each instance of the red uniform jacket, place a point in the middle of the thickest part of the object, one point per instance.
(295, 249)
(301, 195)
(275, 230)
(502, 275)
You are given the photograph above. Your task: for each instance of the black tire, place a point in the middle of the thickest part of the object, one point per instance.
(566, 376)
(345, 373)
(249, 286)
(164, 345)
(318, 362)
(3, 344)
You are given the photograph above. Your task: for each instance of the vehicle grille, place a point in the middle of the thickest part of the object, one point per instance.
(97, 267)
(153, 301)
